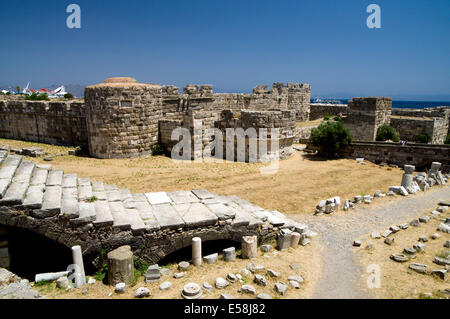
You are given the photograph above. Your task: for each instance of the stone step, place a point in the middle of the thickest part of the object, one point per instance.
(125, 194)
(117, 211)
(128, 218)
(51, 204)
(158, 198)
(24, 172)
(84, 182)
(99, 195)
(222, 211)
(103, 214)
(69, 180)
(98, 187)
(111, 188)
(146, 212)
(4, 184)
(167, 216)
(203, 194)
(196, 214)
(113, 195)
(87, 214)
(15, 194)
(9, 166)
(183, 197)
(55, 178)
(34, 197)
(70, 207)
(39, 176)
(85, 192)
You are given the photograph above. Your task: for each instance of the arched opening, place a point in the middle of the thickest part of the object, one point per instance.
(208, 248)
(31, 253)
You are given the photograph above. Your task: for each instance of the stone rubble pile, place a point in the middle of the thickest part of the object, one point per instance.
(26, 151)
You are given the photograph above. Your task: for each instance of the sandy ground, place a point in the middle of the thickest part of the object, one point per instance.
(308, 258)
(298, 186)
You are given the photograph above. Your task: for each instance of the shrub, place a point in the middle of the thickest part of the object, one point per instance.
(157, 150)
(423, 138)
(447, 140)
(330, 137)
(337, 118)
(37, 97)
(327, 116)
(68, 96)
(386, 132)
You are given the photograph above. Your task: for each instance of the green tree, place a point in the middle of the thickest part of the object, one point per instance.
(68, 96)
(386, 132)
(330, 137)
(423, 138)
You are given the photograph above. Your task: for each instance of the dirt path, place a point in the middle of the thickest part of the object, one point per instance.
(341, 275)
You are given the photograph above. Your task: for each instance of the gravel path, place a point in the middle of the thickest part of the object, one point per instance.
(341, 274)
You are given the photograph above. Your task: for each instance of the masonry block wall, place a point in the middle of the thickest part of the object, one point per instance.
(366, 115)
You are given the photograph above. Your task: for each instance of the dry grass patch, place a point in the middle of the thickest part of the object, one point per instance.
(397, 280)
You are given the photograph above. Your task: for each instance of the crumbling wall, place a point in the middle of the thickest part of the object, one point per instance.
(320, 110)
(410, 128)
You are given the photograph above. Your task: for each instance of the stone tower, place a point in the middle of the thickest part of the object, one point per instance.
(122, 117)
(366, 115)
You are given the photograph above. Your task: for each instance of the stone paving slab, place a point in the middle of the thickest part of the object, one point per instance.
(87, 214)
(146, 213)
(55, 178)
(246, 205)
(158, 198)
(84, 181)
(203, 194)
(84, 192)
(111, 188)
(39, 177)
(15, 194)
(47, 167)
(4, 184)
(167, 216)
(12, 161)
(100, 195)
(70, 207)
(222, 211)
(98, 187)
(70, 192)
(125, 194)
(69, 180)
(129, 219)
(34, 197)
(113, 195)
(24, 172)
(183, 197)
(103, 214)
(140, 198)
(196, 214)
(51, 204)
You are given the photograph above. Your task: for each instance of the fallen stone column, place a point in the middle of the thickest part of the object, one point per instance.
(50, 276)
(80, 277)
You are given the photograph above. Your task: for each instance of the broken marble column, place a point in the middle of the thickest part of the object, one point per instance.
(284, 239)
(120, 266)
(79, 275)
(153, 273)
(196, 251)
(50, 276)
(295, 239)
(229, 254)
(407, 177)
(249, 247)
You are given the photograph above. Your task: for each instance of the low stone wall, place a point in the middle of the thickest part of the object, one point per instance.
(410, 128)
(320, 110)
(419, 155)
(303, 134)
(53, 122)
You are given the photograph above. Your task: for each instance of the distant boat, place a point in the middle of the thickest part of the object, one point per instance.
(326, 101)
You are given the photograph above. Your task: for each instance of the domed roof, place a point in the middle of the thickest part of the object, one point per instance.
(123, 82)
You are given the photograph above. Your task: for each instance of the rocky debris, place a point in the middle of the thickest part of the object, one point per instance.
(400, 190)
(442, 209)
(211, 259)
(441, 261)
(420, 268)
(248, 289)
(304, 241)
(435, 236)
(394, 229)
(164, 271)
(389, 240)
(7, 277)
(419, 247)
(26, 151)
(357, 243)
(221, 283)
(207, 286)
(229, 254)
(281, 288)
(165, 285)
(179, 275)
(444, 203)
(415, 223)
(245, 272)
(84, 291)
(296, 278)
(91, 281)
(153, 273)
(435, 213)
(120, 288)
(260, 280)
(444, 228)
(266, 248)
(121, 266)
(255, 268)
(15, 288)
(424, 219)
(264, 296)
(63, 283)
(409, 251)
(232, 278)
(386, 233)
(226, 296)
(447, 244)
(294, 284)
(294, 266)
(272, 273)
(390, 193)
(441, 273)
(423, 239)
(375, 235)
(401, 258)
(183, 266)
(369, 246)
(142, 292)
(377, 194)
(191, 291)
(328, 206)
(403, 226)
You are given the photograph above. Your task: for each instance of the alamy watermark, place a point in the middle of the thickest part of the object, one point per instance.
(374, 19)
(374, 278)
(74, 19)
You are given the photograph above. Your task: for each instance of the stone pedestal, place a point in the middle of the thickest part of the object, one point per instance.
(152, 274)
(80, 277)
(409, 169)
(249, 247)
(407, 180)
(229, 254)
(120, 266)
(284, 239)
(196, 251)
(295, 239)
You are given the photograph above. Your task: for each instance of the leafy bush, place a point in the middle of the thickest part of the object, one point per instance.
(327, 116)
(447, 140)
(37, 97)
(68, 96)
(386, 132)
(330, 137)
(337, 118)
(100, 275)
(157, 150)
(423, 138)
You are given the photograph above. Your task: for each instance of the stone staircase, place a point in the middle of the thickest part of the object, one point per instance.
(46, 193)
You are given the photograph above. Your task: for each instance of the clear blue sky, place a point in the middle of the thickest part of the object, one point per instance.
(233, 45)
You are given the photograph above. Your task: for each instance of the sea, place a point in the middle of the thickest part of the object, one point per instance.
(409, 104)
